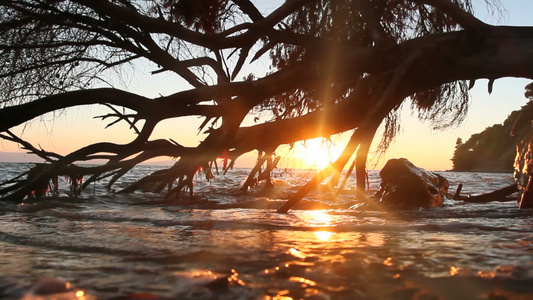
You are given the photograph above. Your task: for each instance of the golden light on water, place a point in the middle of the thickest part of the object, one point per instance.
(197, 274)
(324, 236)
(278, 297)
(319, 218)
(302, 280)
(489, 274)
(235, 278)
(296, 253)
(461, 271)
(316, 217)
(454, 270)
(388, 262)
(373, 239)
(202, 273)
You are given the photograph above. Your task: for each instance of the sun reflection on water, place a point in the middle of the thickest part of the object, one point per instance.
(302, 280)
(296, 253)
(317, 217)
(235, 278)
(278, 297)
(324, 236)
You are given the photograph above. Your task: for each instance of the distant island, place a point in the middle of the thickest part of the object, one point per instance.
(492, 150)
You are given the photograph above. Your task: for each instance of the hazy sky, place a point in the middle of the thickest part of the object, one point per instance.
(417, 141)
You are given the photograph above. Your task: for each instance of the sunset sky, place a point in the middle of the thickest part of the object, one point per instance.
(75, 128)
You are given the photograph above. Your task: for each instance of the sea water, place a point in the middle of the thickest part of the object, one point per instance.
(136, 246)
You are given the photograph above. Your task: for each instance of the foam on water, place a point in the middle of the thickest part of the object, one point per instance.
(112, 246)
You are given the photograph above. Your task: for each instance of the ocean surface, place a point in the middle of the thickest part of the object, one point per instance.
(114, 246)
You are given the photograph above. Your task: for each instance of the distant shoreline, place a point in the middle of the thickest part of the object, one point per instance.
(483, 171)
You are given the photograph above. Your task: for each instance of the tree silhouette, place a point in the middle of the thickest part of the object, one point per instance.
(492, 150)
(336, 66)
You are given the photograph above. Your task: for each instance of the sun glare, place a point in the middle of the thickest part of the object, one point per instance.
(316, 217)
(316, 153)
(323, 236)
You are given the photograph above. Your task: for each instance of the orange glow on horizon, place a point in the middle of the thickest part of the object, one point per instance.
(67, 135)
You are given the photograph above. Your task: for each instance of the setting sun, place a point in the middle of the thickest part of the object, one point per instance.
(316, 153)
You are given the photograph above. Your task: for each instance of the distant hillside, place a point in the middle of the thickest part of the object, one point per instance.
(492, 150)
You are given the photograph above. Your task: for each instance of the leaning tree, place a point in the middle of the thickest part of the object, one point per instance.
(335, 66)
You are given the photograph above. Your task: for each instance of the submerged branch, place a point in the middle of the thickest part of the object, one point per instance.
(497, 195)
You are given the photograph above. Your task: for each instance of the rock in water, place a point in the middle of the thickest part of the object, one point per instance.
(404, 185)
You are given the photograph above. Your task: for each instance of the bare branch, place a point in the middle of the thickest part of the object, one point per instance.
(47, 156)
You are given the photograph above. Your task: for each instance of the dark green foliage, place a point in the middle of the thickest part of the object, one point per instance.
(492, 150)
